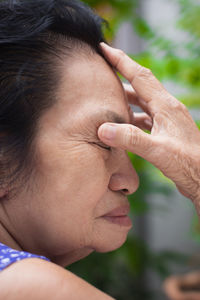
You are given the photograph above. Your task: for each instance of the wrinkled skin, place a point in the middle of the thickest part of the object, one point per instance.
(174, 143)
(77, 179)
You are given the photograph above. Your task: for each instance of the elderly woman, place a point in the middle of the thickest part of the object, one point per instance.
(64, 178)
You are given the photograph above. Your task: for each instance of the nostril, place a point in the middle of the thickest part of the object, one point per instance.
(125, 191)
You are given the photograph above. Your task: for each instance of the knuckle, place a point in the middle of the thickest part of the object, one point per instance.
(121, 56)
(183, 107)
(120, 53)
(131, 137)
(144, 72)
(174, 103)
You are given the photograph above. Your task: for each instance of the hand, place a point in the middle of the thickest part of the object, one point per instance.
(174, 143)
(186, 287)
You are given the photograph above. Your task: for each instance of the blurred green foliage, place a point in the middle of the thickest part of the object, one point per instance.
(122, 272)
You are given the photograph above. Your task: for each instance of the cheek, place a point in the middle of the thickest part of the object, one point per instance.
(71, 182)
(75, 176)
(90, 179)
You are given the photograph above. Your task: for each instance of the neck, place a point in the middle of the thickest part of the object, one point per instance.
(7, 235)
(7, 238)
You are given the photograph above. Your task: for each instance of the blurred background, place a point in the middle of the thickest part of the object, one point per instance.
(163, 35)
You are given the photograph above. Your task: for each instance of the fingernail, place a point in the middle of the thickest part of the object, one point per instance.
(108, 132)
(104, 45)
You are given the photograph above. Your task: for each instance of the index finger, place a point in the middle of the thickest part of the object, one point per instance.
(143, 81)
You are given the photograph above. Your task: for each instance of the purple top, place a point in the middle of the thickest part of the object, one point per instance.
(9, 256)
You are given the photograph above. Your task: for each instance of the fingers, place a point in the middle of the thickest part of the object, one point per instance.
(133, 98)
(143, 81)
(191, 279)
(128, 137)
(175, 288)
(143, 121)
(131, 94)
(171, 288)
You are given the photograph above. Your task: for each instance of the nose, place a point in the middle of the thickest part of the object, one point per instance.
(125, 178)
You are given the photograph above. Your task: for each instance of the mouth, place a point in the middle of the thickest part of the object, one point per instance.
(119, 216)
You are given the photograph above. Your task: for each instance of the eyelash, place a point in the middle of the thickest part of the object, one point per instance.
(103, 146)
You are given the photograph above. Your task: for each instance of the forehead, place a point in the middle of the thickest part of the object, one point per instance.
(89, 84)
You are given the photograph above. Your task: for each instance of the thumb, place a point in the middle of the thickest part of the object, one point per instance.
(128, 137)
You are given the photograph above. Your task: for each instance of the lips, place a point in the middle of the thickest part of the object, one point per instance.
(118, 216)
(120, 211)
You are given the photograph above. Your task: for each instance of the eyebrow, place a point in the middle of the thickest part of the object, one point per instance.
(109, 116)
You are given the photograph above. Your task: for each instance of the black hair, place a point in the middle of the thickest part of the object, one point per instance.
(34, 37)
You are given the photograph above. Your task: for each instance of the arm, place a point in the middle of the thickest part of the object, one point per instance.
(37, 279)
(174, 143)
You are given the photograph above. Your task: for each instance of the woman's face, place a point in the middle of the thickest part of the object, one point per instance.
(78, 180)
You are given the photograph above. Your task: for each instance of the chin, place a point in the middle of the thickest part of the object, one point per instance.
(109, 237)
(109, 248)
(110, 244)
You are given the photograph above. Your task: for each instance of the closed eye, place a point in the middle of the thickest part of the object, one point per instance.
(102, 146)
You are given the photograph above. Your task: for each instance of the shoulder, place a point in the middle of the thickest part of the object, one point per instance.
(39, 279)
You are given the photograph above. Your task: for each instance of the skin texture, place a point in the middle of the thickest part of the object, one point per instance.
(174, 143)
(37, 279)
(77, 179)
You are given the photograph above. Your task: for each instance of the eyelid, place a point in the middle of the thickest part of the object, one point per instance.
(102, 145)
